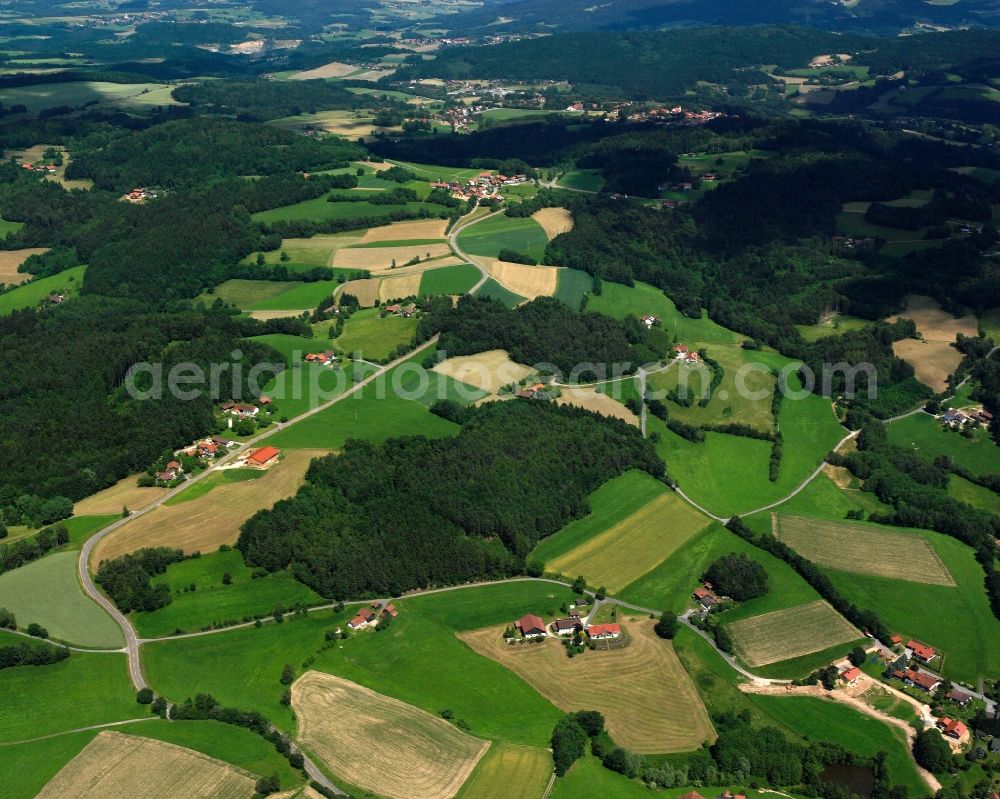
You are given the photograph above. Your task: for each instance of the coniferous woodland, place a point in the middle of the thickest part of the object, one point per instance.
(382, 519)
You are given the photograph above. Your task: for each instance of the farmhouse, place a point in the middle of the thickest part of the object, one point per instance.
(599, 632)
(565, 626)
(896, 640)
(167, 475)
(263, 457)
(390, 610)
(727, 794)
(242, 410)
(851, 676)
(649, 321)
(708, 599)
(530, 626)
(921, 651)
(953, 728)
(691, 795)
(921, 679)
(959, 697)
(321, 358)
(365, 618)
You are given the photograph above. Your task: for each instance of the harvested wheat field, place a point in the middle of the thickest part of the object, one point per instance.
(485, 370)
(365, 290)
(554, 221)
(205, 523)
(263, 316)
(10, 260)
(635, 545)
(528, 281)
(790, 633)
(381, 259)
(117, 766)
(649, 703)
(379, 743)
(932, 361)
(599, 403)
(396, 288)
(405, 231)
(112, 499)
(934, 323)
(864, 549)
(335, 69)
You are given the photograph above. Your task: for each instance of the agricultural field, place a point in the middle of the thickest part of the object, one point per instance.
(525, 281)
(124, 493)
(417, 660)
(387, 256)
(497, 292)
(307, 253)
(379, 743)
(307, 386)
(975, 495)
(33, 293)
(491, 779)
(791, 633)
(593, 400)
(84, 689)
(427, 387)
(588, 180)
(864, 549)
(618, 301)
(10, 260)
(213, 601)
(487, 371)
(831, 325)
(633, 546)
(271, 295)
(554, 221)
(573, 286)
(7, 227)
(320, 210)
(490, 235)
(205, 523)
(117, 766)
(932, 361)
(78, 93)
(929, 438)
(375, 338)
(415, 230)
(458, 279)
(649, 703)
(47, 591)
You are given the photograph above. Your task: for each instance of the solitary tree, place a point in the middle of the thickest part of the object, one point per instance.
(579, 584)
(287, 674)
(666, 627)
(857, 656)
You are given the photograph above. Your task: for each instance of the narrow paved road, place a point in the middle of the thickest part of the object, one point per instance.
(460, 228)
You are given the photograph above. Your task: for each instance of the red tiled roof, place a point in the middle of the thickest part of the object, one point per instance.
(921, 650)
(264, 455)
(530, 623)
(851, 674)
(896, 639)
(604, 629)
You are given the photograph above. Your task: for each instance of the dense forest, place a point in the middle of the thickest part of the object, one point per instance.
(382, 519)
(265, 99)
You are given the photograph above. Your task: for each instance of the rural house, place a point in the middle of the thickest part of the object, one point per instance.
(530, 626)
(953, 728)
(920, 650)
(598, 632)
(263, 457)
(959, 697)
(565, 626)
(707, 598)
(851, 676)
(921, 679)
(650, 321)
(243, 411)
(365, 618)
(727, 794)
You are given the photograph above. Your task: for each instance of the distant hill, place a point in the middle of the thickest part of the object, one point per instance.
(883, 17)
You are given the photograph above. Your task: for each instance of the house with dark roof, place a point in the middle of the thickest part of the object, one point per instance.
(530, 626)
(565, 626)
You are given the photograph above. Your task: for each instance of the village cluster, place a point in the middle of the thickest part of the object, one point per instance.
(973, 417)
(577, 621)
(485, 185)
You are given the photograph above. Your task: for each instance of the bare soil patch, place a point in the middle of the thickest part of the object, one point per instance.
(932, 361)
(648, 700)
(381, 744)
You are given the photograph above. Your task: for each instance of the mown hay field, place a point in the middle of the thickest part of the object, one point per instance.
(649, 703)
(398, 288)
(379, 743)
(375, 337)
(554, 221)
(381, 259)
(485, 370)
(405, 231)
(530, 765)
(124, 493)
(634, 546)
(528, 281)
(864, 549)
(117, 766)
(933, 322)
(335, 69)
(932, 361)
(790, 633)
(366, 291)
(10, 260)
(599, 403)
(204, 524)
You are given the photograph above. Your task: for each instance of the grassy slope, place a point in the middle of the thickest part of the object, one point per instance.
(84, 689)
(418, 660)
(927, 437)
(47, 591)
(375, 337)
(215, 602)
(320, 210)
(975, 495)
(32, 293)
(488, 237)
(572, 286)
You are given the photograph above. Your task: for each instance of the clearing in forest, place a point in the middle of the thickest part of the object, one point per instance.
(635, 545)
(790, 633)
(554, 221)
(599, 403)
(864, 549)
(485, 370)
(10, 260)
(117, 766)
(205, 523)
(406, 231)
(933, 358)
(649, 703)
(528, 281)
(379, 743)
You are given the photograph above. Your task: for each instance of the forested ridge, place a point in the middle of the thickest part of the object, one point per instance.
(383, 519)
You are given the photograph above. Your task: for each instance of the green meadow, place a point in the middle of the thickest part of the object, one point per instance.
(497, 292)
(582, 180)
(213, 602)
(47, 591)
(489, 236)
(7, 227)
(32, 293)
(572, 286)
(929, 438)
(449, 280)
(321, 210)
(375, 337)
